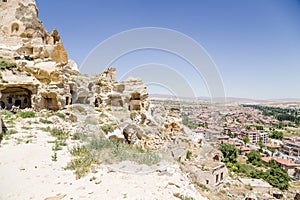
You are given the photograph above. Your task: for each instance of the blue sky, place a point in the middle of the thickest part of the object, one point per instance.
(255, 44)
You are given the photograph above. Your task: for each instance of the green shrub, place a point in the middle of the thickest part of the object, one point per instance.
(26, 114)
(77, 136)
(188, 155)
(200, 185)
(26, 128)
(98, 149)
(82, 162)
(7, 65)
(11, 132)
(45, 121)
(107, 128)
(46, 129)
(230, 152)
(232, 167)
(244, 168)
(110, 152)
(258, 174)
(277, 177)
(59, 134)
(60, 138)
(276, 135)
(79, 151)
(240, 169)
(188, 198)
(6, 114)
(254, 157)
(54, 157)
(60, 115)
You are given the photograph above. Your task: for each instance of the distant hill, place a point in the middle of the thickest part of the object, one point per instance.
(229, 99)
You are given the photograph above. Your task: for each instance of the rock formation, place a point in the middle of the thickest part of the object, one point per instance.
(130, 94)
(23, 34)
(35, 71)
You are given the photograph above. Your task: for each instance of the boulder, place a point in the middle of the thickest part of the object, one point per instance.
(133, 133)
(178, 152)
(116, 135)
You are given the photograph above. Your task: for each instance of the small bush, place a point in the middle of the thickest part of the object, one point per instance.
(26, 114)
(59, 134)
(54, 157)
(11, 132)
(200, 185)
(26, 128)
(110, 152)
(107, 128)
(58, 145)
(6, 65)
(188, 198)
(77, 136)
(6, 114)
(254, 157)
(188, 155)
(79, 151)
(61, 115)
(60, 138)
(98, 149)
(47, 129)
(45, 121)
(82, 162)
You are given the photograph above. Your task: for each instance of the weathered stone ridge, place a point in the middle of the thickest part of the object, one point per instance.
(35, 70)
(23, 34)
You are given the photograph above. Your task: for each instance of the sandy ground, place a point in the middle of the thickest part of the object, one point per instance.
(28, 172)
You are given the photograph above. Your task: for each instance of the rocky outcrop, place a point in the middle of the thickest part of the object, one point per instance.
(42, 76)
(133, 133)
(130, 94)
(35, 71)
(23, 34)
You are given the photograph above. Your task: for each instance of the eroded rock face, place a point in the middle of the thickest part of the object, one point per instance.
(40, 75)
(23, 34)
(130, 94)
(43, 74)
